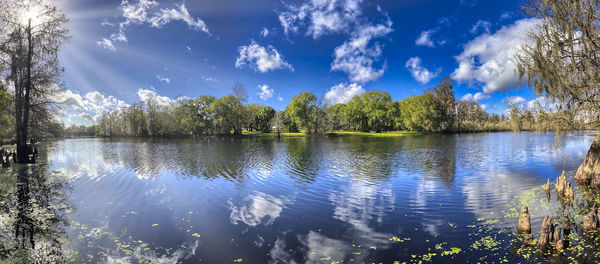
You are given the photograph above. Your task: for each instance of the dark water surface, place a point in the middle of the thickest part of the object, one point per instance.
(300, 200)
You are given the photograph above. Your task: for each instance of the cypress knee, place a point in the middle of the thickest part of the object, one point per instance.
(590, 221)
(524, 225)
(545, 234)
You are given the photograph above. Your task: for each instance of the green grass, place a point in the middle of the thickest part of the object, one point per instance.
(382, 134)
(338, 133)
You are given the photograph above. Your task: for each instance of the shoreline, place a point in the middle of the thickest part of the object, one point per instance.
(258, 134)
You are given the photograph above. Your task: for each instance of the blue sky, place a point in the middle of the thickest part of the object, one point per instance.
(122, 52)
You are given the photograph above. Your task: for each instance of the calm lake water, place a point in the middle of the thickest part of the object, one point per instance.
(296, 200)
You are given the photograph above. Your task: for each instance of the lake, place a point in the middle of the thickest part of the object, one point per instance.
(444, 198)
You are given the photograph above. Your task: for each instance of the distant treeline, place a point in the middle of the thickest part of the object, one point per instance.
(436, 110)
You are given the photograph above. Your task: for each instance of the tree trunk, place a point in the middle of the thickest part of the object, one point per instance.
(588, 173)
(22, 149)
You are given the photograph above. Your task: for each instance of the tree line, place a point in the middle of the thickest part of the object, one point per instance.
(436, 110)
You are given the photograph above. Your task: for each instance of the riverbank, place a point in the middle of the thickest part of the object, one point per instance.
(334, 134)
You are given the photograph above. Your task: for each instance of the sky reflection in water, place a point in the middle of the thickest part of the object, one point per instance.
(297, 200)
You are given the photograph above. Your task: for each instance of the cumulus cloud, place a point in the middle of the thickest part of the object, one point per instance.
(475, 97)
(421, 74)
(163, 79)
(265, 92)
(481, 25)
(89, 106)
(147, 95)
(357, 58)
(321, 17)
(147, 12)
(342, 93)
(260, 58)
(425, 39)
(107, 44)
(487, 59)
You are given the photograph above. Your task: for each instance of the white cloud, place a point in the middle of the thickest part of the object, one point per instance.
(147, 95)
(475, 97)
(481, 24)
(164, 16)
(358, 55)
(356, 58)
(89, 106)
(425, 38)
(342, 93)
(280, 98)
(265, 32)
(260, 58)
(265, 93)
(163, 79)
(515, 99)
(488, 59)
(419, 72)
(188, 48)
(106, 43)
(321, 17)
(145, 12)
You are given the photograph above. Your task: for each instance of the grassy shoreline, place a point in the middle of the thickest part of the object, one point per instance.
(334, 134)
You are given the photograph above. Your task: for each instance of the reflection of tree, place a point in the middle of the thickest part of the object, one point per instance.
(229, 158)
(302, 161)
(433, 156)
(33, 206)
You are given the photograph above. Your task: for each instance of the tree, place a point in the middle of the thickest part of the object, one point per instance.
(335, 117)
(561, 62)
(31, 34)
(421, 113)
(375, 108)
(264, 118)
(302, 109)
(444, 93)
(196, 115)
(229, 113)
(355, 115)
(279, 122)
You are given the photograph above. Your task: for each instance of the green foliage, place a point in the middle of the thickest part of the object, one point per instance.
(229, 115)
(302, 110)
(444, 93)
(421, 113)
